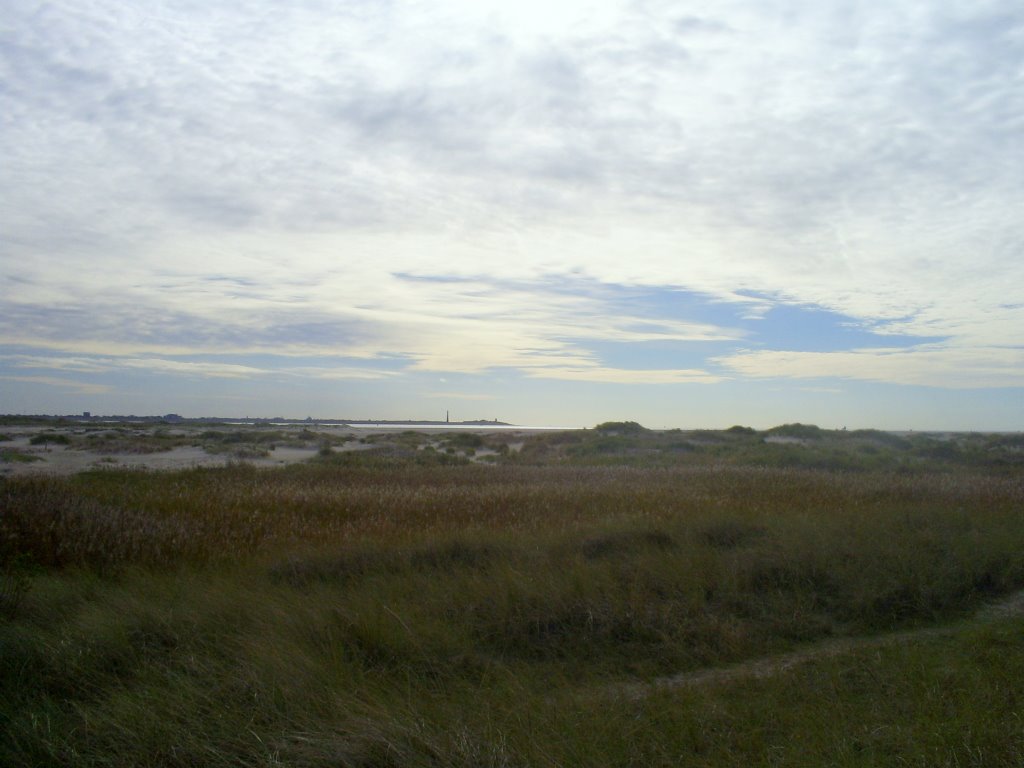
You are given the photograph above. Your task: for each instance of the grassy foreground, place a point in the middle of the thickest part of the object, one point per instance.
(395, 613)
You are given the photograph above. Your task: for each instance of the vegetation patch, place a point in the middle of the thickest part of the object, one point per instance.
(799, 431)
(18, 457)
(620, 428)
(382, 457)
(731, 533)
(619, 543)
(402, 605)
(50, 438)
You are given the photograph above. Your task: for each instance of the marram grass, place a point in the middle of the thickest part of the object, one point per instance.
(473, 615)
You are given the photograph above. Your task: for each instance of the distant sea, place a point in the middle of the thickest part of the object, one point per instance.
(488, 427)
(357, 425)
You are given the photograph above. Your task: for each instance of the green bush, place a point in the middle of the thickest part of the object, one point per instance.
(801, 431)
(8, 456)
(621, 428)
(50, 439)
(738, 430)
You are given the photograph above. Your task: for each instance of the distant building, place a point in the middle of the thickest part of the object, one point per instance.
(86, 415)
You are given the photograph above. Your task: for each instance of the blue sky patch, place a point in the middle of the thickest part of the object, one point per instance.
(801, 328)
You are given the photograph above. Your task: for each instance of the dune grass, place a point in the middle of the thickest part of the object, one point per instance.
(381, 611)
(17, 457)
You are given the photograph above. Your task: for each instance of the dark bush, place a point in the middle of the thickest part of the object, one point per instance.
(48, 438)
(621, 428)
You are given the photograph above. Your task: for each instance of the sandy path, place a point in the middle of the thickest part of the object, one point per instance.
(769, 666)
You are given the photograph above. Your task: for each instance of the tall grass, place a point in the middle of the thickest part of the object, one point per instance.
(368, 613)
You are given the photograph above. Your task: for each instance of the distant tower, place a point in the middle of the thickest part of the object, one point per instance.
(446, 417)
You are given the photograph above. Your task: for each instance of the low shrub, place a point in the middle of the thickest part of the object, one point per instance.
(47, 438)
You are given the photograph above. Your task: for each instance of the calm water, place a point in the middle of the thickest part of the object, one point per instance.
(487, 427)
(358, 425)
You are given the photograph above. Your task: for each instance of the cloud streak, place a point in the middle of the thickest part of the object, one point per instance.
(78, 387)
(369, 192)
(928, 365)
(165, 366)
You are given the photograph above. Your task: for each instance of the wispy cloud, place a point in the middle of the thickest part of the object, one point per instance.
(600, 374)
(339, 373)
(473, 187)
(460, 396)
(931, 365)
(165, 366)
(78, 387)
(109, 364)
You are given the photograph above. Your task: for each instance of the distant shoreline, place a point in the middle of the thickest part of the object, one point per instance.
(273, 421)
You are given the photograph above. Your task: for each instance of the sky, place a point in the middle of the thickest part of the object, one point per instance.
(549, 213)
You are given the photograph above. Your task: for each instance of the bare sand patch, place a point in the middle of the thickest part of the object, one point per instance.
(55, 459)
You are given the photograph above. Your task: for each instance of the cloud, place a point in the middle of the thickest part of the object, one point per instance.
(460, 396)
(150, 364)
(77, 387)
(599, 374)
(164, 366)
(455, 324)
(339, 373)
(471, 187)
(931, 365)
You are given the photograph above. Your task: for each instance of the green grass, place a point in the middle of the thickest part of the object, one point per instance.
(50, 438)
(398, 607)
(18, 457)
(952, 700)
(789, 445)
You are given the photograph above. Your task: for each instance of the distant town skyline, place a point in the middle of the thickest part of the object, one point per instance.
(560, 214)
